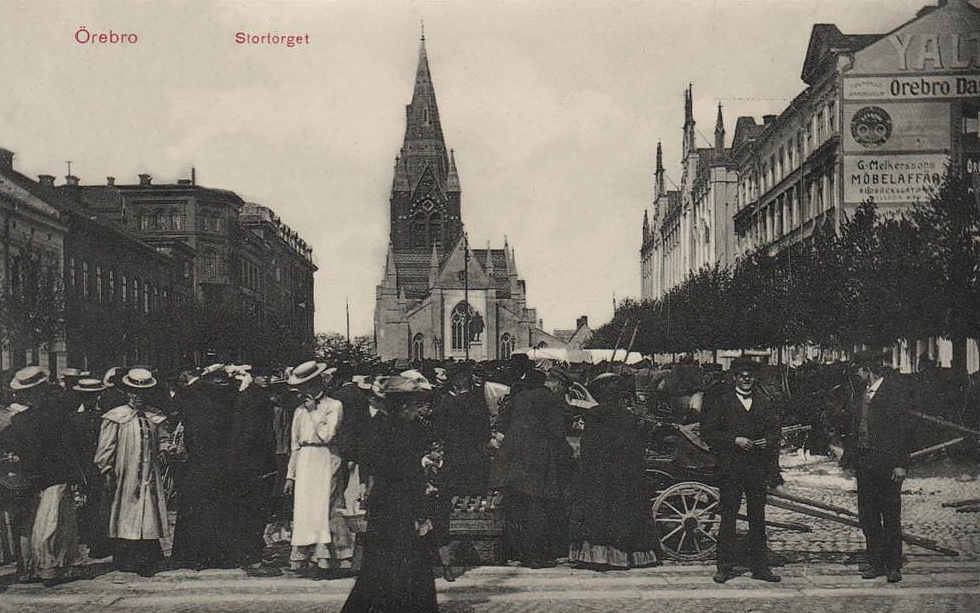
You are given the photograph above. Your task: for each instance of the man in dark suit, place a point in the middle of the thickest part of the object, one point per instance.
(878, 448)
(742, 428)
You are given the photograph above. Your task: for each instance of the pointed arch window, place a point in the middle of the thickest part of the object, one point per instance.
(427, 226)
(418, 348)
(506, 346)
(462, 313)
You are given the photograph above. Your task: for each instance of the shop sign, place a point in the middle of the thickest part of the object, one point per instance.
(893, 178)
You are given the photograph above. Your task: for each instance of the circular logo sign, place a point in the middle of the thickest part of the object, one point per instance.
(871, 126)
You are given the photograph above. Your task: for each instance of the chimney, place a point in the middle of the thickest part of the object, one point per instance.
(768, 119)
(110, 181)
(193, 176)
(581, 321)
(71, 180)
(6, 160)
(145, 180)
(46, 180)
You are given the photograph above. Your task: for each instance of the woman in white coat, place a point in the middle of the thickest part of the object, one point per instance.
(312, 464)
(127, 457)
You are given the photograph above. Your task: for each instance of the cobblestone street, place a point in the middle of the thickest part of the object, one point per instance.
(930, 585)
(815, 575)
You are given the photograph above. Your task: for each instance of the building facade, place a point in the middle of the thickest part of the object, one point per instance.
(252, 275)
(438, 298)
(31, 296)
(690, 228)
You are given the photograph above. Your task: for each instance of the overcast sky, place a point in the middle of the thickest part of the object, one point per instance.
(554, 110)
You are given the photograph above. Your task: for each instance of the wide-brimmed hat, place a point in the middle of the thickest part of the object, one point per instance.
(403, 385)
(307, 371)
(364, 382)
(559, 375)
(73, 373)
(107, 379)
(28, 377)
(139, 379)
(418, 377)
(744, 364)
(88, 386)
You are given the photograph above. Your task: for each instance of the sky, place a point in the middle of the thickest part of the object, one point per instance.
(554, 110)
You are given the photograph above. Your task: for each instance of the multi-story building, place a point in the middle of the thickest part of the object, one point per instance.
(690, 228)
(251, 274)
(438, 298)
(33, 257)
(881, 117)
(127, 302)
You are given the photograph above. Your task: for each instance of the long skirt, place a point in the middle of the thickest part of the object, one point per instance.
(52, 545)
(396, 575)
(535, 528)
(315, 468)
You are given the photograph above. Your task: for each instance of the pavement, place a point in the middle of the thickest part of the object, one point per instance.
(819, 575)
(929, 586)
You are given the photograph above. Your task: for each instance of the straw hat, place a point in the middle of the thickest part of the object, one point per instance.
(28, 377)
(110, 375)
(307, 371)
(88, 385)
(139, 379)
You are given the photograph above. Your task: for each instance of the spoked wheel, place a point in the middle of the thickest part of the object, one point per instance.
(687, 519)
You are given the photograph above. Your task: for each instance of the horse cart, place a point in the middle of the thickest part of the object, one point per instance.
(685, 499)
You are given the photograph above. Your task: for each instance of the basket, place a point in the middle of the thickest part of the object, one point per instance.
(356, 521)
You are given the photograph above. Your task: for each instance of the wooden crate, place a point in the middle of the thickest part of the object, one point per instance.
(476, 517)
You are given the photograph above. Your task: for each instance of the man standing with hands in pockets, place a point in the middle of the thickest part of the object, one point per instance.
(742, 428)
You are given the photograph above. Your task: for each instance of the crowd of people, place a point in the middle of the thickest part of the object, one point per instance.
(90, 461)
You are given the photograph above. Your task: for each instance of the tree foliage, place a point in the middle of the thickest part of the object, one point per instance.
(878, 279)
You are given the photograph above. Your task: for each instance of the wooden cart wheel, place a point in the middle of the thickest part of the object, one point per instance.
(687, 519)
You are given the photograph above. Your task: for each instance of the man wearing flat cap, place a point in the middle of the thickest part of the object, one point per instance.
(877, 449)
(742, 428)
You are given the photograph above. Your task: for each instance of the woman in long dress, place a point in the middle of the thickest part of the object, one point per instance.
(312, 464)
(608, 516)
(396, 576)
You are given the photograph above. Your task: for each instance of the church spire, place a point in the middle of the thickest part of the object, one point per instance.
(646, 226)
(433, 265)
(658, 175)
(400, 182)
(689, 143)
(719, 132)
(452, 181)
(424, 145)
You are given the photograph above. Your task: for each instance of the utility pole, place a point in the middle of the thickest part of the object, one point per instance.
(466, 295)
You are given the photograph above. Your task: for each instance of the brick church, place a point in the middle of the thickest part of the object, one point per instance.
(439, 298)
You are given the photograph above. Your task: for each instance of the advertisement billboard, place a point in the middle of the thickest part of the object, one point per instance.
(892, 178)
(896, 126)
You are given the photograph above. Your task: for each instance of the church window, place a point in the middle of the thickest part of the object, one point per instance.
(462, 313)
(418, 347)
(506, 346)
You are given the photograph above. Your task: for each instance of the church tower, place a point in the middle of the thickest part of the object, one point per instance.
(425, 192)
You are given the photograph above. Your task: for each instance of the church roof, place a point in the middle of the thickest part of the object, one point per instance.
(413, 270)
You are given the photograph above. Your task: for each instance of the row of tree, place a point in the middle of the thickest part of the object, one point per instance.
(875, 281)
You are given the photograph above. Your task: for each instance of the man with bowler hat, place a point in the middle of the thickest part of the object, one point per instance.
(742, 428)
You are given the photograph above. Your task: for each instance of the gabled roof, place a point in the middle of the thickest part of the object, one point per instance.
(826, 41)
(746, 130)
